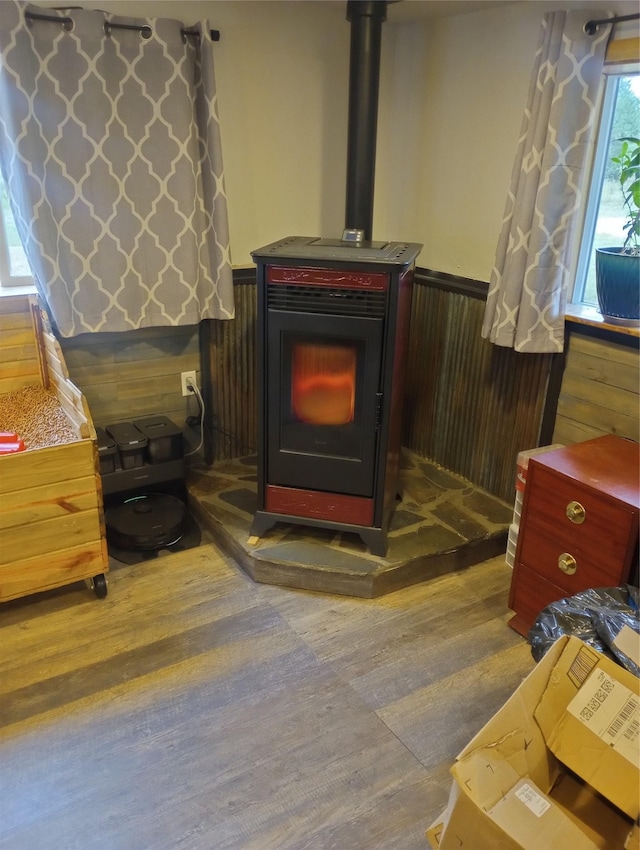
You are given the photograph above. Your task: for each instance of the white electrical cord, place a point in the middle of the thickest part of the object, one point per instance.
(195, 389)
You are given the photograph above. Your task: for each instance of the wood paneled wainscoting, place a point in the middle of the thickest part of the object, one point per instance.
(470, 406)
(600, 391)
(133, 374)
(228, 358)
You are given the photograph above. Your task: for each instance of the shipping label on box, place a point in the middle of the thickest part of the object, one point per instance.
(534, 820)
(590, 715)
(492, 807)
(611, 711)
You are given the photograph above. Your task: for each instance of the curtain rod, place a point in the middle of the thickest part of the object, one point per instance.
(144, 29)
(591, 27)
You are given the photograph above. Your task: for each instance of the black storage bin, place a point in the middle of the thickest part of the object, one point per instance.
(107, 452)
(164, 438)
(131, 444)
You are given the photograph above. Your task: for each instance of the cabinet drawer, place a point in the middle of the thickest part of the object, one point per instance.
(604, 537)
(529, 595)
(540, 553)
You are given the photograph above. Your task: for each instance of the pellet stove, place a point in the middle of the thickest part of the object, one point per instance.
(333, 325)
(333, 321)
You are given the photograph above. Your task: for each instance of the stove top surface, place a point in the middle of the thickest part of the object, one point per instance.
(314, 248)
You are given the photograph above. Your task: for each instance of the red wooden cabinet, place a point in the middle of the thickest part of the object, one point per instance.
(579, 524)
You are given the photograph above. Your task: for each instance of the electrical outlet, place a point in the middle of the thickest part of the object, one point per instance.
(188, 378)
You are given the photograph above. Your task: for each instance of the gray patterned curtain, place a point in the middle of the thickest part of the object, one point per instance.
(110, 147)
(527, 291)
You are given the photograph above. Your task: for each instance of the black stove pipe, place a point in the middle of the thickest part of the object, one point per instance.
(366, 18)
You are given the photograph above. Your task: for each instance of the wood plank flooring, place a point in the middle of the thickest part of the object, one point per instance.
(196, 710)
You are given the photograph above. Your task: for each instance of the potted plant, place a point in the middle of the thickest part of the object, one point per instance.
(618, 268)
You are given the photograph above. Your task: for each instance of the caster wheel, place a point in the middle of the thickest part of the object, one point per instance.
(99, 583)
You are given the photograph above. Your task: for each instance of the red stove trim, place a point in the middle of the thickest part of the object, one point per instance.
(328, 277)
(313, 504)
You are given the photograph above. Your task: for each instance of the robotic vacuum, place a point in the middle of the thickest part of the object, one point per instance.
(147, 522)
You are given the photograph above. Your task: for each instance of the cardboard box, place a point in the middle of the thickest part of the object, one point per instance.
(540, 774)
(434, 833)
(589, 715)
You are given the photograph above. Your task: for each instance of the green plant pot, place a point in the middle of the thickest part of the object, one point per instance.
(618, 285)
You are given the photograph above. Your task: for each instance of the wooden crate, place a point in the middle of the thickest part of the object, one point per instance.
(52, 529)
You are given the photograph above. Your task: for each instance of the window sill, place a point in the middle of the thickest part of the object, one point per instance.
(8, 291)
(582, 315)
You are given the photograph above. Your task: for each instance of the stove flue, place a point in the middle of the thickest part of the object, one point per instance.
(366, 18)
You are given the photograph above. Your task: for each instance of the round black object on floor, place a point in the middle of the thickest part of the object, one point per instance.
(147, 522)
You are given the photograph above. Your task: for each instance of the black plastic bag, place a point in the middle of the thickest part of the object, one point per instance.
(596, 616)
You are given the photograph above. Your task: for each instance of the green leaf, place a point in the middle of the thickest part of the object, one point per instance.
(628, 162)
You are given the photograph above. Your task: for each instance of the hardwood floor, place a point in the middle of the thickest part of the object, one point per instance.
(194, 709)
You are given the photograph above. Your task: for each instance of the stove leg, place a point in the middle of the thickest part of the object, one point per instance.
(376, 540)
(261, 523)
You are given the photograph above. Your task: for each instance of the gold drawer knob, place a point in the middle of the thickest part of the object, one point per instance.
(576, 512)
(567, 563)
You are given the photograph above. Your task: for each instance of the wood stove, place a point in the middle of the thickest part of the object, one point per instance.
(333, 322)
(333, 325)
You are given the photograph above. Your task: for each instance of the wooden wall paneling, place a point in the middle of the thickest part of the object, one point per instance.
(470, 406)
(513, 402)
(600, 392)
(612, 364)
(206, 389)
(126, 376)
(232, 365)
(423, 363)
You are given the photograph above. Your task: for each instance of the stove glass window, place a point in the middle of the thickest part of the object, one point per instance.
(323, 385)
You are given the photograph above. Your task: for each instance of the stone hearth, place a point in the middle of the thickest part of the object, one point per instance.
(443, 523)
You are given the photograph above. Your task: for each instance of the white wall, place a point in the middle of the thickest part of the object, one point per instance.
(452, 94)
(282, 72)
(475, 71)
(450, 116)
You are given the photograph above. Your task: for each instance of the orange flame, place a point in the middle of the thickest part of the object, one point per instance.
(324, 383)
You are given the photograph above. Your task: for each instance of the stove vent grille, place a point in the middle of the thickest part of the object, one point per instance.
(399, 252)
(283, 243)
(321, 299)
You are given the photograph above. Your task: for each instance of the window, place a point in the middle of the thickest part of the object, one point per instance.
(14, 268)
(605, 214)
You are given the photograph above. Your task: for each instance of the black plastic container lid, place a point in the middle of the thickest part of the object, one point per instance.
(105, 443)
(127, 436)
(154, 427)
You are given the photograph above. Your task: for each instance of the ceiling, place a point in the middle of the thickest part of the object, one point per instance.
(405, 11)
